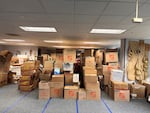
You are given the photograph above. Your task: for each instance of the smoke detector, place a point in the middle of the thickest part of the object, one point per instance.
(136, 19)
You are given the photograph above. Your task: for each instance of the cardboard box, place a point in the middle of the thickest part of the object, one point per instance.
(89, 85)
(82, 94)
(69, 55)
(70, 92)
(122, 95)
(25, 83)
(58, 78)
(90, 79)
(90, 61)
(138, 91)
(56, 92)
(88, 52)
(68, 78)
(116, 75)
(45, 77)
(91, 72)
(45, 57)
(120, 85)
(56, 84)
(44, 93)
(27, 73)
(30, 65)
(111, 57)
(89, 68)
(48, 65)
(25, 78)
(44, 85)
(147, 85)
(26, 88)
(93, 94)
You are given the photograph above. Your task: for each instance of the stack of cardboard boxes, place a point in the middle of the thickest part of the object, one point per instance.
(30, 77)
(91, 80)
(44, 90)
(5, 57)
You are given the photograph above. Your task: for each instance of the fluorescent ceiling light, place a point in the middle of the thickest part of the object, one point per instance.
(97, 43)
(108, 31)
(14, 40)
(38, 29)
(50, 41)
(1, 42)
(27, 44)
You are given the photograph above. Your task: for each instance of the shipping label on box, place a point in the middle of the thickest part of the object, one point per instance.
(111, 57)
(69, 55)
(121, 95)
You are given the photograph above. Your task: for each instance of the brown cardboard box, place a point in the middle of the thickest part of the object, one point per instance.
(137, 91)
(111, 57)
(26, 88)
(58, 78)
(92, 72)
(106, 89)
(44, 93)
(45, 77)
(45, 57)
(90, 61)
(56, 92)
(89, 85)
(82, 94)
(30, 65)
(93, 94)
(70, 92)
(91, 79)
(25, 83)
(147, 85)
(48, 65)
(25, 78)
(121, 95)
(57, 84)
(89, 68)
(27, 73)
(68, 78)
(44, 85)
(69, 55)
(120, 85)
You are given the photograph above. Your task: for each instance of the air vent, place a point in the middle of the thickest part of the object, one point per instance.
(12, 34)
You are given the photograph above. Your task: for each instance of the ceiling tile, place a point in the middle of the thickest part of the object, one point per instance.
(20, 6)
(58, 6)
(82, 19)
(144, 10)
(128, 1)
(119, 9)
(89, 7)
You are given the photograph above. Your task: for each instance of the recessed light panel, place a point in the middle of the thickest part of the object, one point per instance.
(13, 40)
(38, 29)
(108, 31)
(50, 41)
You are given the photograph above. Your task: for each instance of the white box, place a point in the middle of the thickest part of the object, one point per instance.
(76, 78)
(117, 75)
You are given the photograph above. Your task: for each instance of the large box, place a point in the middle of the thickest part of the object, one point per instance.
(57, 84)
(111, 57)
(93, 94)
(44, 85)
(48, 65)
(91, 72)
(110, 91)
(68, 78)
(30, 65)
(69, 55)
(26, 88)
(116, 75)
(25, 78)
(82, 94)
(58, 78)
(90, 79)
(121, 95)
(89, 85)
(45, 57)
(44, 93)
(90, 61)
(137, 91)
(120, 85)
(70, 92)
(56, 92)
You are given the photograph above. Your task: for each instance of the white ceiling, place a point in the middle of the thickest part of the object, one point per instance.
(73, 20)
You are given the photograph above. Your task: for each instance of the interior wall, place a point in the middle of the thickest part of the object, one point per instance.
(22, 50)
(1, 47)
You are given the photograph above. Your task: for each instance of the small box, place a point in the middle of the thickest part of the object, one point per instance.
(137, 91)
(122, 95)
(48, 65)
(82, 94)
(120, 85)
(70, 92)
(90, 79)
(44, 85)
(111, 57)
(75, 78)
(68, 78)
(56, 92)
(89, 85)
(90, 71)
(44, 93)
(26, 88)
(116, 75)
(93, 94)
(58, 78)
